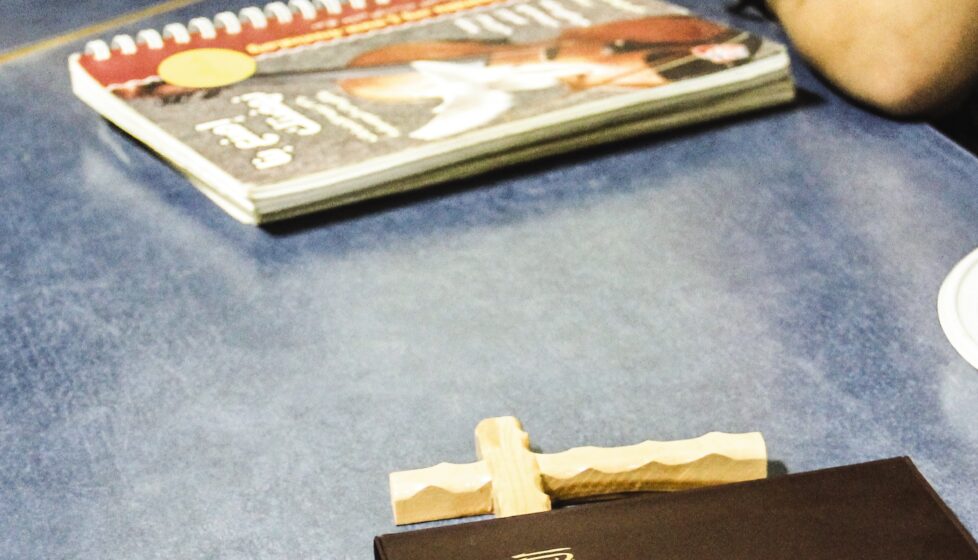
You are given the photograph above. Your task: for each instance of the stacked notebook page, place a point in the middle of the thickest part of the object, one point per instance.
(292, 108)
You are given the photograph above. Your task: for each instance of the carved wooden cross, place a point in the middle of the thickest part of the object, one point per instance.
(512, 480)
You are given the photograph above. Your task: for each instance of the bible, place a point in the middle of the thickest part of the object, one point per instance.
(884, 510)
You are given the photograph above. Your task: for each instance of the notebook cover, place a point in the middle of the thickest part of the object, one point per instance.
(278, 109)
(884, 510)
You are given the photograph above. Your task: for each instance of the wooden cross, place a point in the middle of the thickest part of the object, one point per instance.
(512, 480)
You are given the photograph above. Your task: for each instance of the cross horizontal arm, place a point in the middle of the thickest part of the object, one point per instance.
(444, 491)
(448, 490)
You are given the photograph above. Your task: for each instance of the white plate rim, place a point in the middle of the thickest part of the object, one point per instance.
(963, 276)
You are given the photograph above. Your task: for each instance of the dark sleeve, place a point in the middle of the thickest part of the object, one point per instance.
(743, 7)
(962, 125)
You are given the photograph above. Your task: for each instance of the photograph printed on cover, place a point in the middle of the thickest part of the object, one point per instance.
(324, 106)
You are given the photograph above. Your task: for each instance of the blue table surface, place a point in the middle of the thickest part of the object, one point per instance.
(28, 21)
(176, 385)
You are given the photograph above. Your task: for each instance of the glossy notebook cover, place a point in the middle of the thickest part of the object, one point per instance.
(345, 97)
(884, 510)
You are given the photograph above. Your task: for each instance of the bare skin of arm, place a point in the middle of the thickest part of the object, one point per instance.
(904, 57)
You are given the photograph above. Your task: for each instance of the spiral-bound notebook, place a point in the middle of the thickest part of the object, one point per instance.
(291, 108)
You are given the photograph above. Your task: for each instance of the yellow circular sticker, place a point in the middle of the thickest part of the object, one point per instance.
(206, 68)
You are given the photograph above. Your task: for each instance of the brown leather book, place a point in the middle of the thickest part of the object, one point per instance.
(883, 510)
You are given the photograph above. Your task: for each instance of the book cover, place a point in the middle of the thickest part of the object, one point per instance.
(883, 510)
(292, 107)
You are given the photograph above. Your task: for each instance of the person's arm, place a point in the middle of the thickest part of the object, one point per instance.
(905, 57)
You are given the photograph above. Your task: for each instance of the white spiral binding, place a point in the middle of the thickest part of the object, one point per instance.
(279, 11)
(227, 23)
(151, 38)
(254, 16)
(98, 49)
(176, 31)
(331, 6)
(203, 27)
(124, 44)
(303, 8)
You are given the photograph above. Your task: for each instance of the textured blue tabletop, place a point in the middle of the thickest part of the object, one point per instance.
(29, 21)
(176, 385)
